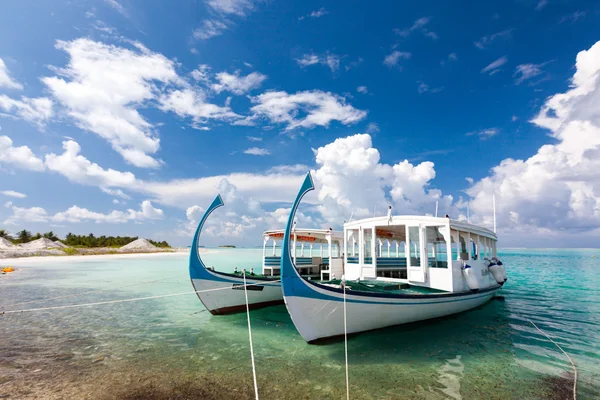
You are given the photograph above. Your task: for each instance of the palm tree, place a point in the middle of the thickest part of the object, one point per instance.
(71, 239)
(50, 235)
(24, 236)
(4, 233)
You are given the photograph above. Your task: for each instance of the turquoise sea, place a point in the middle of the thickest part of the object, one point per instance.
(171, 348)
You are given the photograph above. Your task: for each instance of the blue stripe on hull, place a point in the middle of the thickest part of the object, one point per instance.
(350, 299)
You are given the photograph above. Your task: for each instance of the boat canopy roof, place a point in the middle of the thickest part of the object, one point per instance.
(307, 235)
(393, 227)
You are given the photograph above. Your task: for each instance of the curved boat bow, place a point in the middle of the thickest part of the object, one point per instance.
(197, 267)
(223, 293)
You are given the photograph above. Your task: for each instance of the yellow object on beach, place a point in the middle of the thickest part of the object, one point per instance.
(8, 269)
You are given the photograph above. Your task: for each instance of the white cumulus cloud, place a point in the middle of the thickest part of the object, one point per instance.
(351, 180)
(35, 110)
(237, 84)
(77, 214)
(103, 86)
(237, 7)
(22, 214)
(330, 60)
(394, 57)
(210, 28)
(6, 80)
(257, 151)
(79, 169)
(19, 157)
(558, 188)
(319, 109)
(12, 193)
(192, 102)
(222, 10)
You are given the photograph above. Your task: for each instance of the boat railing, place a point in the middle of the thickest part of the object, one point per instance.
(306, 265)
(397, 262)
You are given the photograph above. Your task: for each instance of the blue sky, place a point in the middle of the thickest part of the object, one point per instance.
(146, 109)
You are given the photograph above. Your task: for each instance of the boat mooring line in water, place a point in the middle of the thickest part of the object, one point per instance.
(346, 345)
(82, 293)
(566, 354)
(123, 300)
(250, 335)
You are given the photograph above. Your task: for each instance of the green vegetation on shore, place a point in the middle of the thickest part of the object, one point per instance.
(25, 236)
(87, 241)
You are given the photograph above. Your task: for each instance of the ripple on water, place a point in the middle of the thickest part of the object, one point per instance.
(128, 349)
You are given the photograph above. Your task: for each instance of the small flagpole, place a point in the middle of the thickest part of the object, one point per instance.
(436, 208)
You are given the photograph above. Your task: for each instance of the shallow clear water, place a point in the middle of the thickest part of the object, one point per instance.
(107, 351)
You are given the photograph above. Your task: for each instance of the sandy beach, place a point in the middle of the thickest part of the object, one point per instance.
(20, 259)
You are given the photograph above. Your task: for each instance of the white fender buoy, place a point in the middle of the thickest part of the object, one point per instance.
(470, 278)
(503, 272)
(501, 268)
(496, 271)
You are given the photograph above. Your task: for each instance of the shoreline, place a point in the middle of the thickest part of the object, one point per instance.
(92, 257)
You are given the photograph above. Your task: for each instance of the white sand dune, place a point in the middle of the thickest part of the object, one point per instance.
(40, 244)
(60, 244)
(139, 244)
(6, 244)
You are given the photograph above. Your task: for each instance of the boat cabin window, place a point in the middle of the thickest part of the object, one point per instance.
(276, 249)
(436, 247)
(464, 252)
(336, 250)
(390, 257)
(272, 247)
(352, 246)
(474, 248)
(414, 243)
(368, 235)
(400, 248)
(455, 247)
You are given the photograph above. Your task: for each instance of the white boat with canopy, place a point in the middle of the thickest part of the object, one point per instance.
(397, 269)
(264, 288)
(317, 255)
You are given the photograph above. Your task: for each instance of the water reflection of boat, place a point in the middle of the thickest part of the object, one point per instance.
(438, 273)
(264, 289)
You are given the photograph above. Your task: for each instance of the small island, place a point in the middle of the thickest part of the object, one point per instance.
(227, 246)
(24, 244)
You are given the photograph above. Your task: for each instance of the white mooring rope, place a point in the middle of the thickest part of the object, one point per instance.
(84, 293)
(250, 335)
(124, 300)
(346, 346)
(565, 353)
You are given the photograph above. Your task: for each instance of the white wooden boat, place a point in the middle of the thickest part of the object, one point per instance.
(398, 269)
(264, 289)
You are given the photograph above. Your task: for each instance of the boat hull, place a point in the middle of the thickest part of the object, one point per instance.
(231, 299)
(321, 316)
